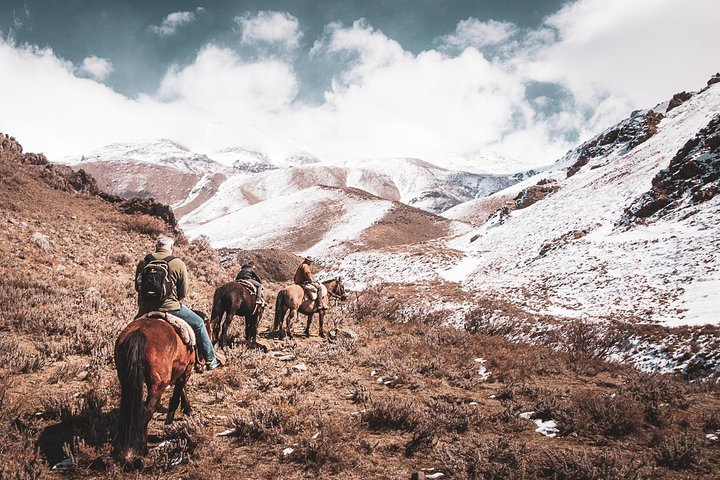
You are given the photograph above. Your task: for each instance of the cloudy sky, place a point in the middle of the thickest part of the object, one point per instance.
(446, 81)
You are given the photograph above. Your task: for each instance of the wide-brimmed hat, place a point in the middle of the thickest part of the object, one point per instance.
(309, 259)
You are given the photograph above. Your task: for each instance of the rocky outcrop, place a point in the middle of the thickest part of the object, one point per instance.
(148, 206)
(622, 138)
(678, 99)
(69, 180)
(692, 177)
(537, 192)
(11, 150)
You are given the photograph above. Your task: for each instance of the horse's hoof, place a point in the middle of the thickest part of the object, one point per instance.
(307, 333)
(322, 334)
(187, 411)
(169, 419)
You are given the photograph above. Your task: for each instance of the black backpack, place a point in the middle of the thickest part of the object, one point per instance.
(154, 283)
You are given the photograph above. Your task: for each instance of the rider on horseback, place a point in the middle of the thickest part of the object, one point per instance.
(304, 278)
(178, 279)
(247, 272)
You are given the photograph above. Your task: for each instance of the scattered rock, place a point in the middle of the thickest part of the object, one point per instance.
(300, 367)
(41, 240)
(346, 333)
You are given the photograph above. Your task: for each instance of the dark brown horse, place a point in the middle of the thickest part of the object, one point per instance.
(149, 351)
(231, 299)
(291, 300)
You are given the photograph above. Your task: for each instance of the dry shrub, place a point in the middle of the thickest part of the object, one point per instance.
(584, 340)
(572, 464)
(657, 393)
(486, 460)
(711, 421)
(19, 458)
(122, 258)
(487, 323)
(82, 416)
(679, 452)
(375, 301)
(513, 363)
(266, 423)
(182, 439)
(331, 449)
(454, 417)
(589, 413)
(204, 261)
(509, 419)
(359, 393)
(391, 413)
(144, 224)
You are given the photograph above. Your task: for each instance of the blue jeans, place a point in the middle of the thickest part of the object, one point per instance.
(201, 335)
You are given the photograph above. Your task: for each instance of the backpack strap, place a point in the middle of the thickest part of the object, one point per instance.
(169, 258)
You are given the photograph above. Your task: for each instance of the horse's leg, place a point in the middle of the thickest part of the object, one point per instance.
(288, 322)
(174, 401)
(180, 395)
(225, 327)
(321, 317)
(153, 400)
(307, 326)
(248, 330)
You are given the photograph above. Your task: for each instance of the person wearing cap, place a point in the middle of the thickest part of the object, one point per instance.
(178, 276)
(303, 276)
(247, 272)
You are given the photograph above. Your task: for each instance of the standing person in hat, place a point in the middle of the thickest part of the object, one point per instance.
(304, 278)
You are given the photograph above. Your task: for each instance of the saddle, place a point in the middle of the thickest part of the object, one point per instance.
(252, 288)
(187, 334)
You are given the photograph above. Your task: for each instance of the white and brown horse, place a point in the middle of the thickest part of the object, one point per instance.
(292, 300)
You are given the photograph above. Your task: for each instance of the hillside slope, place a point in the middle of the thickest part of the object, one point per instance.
(623, 227)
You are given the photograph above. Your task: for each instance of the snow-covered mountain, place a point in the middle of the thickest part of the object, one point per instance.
(153, 168)
(204, 188)
(625, 226)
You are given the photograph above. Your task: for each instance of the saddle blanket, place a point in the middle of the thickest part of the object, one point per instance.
(181, 326)
(248, 285)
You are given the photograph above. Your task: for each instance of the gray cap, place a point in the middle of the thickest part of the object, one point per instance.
(164, 242)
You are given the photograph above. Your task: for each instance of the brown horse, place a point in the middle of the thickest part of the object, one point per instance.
(291, 300)
(231, 299)
(149, 351)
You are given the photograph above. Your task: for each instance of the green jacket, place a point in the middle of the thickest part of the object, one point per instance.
(179, 277)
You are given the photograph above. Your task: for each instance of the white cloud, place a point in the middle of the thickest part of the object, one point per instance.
(173, 21)
(97, 68)
(270, 27)
(472, 32)
(609, 56)
(631, 54)
(219, 82)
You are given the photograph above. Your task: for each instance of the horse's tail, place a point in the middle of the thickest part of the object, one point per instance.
(217, 312)
(280, 303)
(131, 371)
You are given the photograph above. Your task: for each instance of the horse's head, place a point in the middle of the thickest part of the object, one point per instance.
(339, 289)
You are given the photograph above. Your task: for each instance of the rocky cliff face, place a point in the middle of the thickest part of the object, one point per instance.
(622, 138)
(692, 177)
